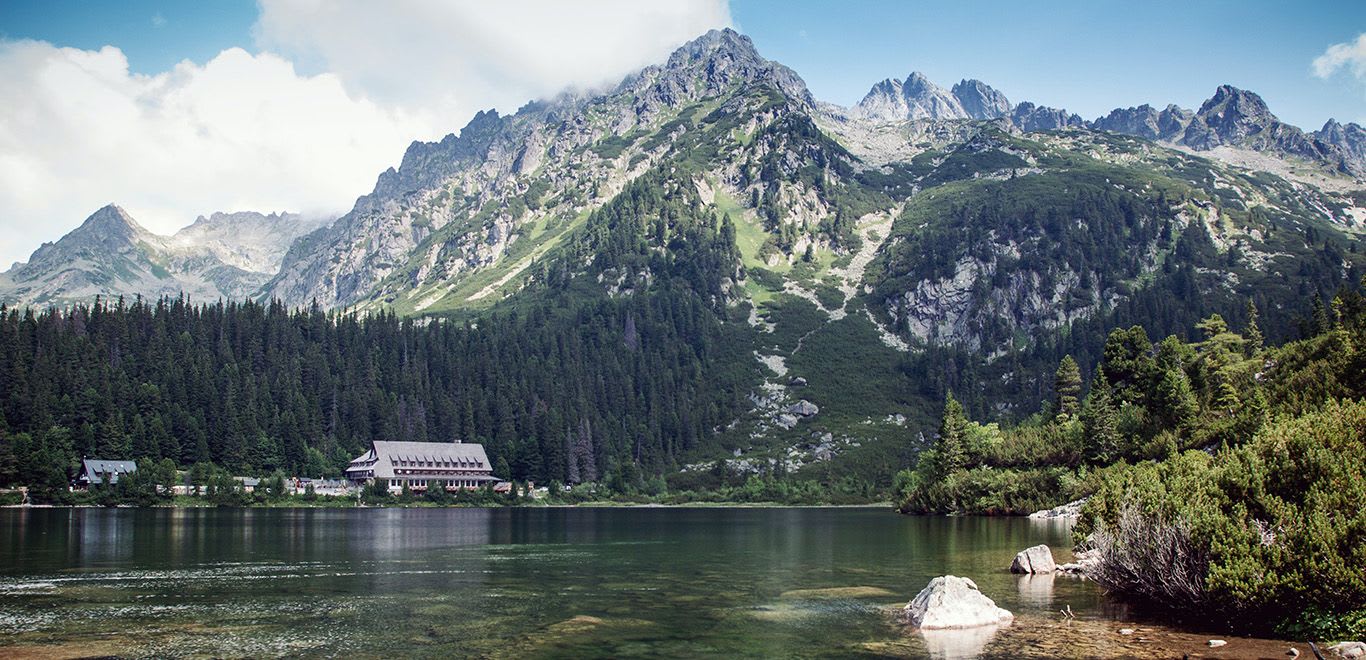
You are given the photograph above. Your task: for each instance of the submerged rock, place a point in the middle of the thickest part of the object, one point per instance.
(1038, 559)
(836, 592)
(951, 602)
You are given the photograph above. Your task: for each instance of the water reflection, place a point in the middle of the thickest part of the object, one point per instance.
(959, 643)
(1037, 589)
(500, 582)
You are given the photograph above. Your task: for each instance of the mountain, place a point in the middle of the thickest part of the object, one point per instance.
(705, 260)
(1240, 119)
(248, 240)
(1146, 122)
(924, 241)
(917, 99)
(1232, 117)
(110, 254)
(527, 180)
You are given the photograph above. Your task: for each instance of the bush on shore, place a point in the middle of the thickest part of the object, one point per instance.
(1270, 532)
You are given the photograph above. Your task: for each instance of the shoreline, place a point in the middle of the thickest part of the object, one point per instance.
(582, 505)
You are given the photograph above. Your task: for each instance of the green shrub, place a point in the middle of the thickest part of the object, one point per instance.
(1278, 521)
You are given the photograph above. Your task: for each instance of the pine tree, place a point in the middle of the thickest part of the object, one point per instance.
(1067, 386)
(1100, 422)
(950, 447)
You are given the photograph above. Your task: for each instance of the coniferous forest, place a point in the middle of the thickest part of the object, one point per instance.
(562, 387)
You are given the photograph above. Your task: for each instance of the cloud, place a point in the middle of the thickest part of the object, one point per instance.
(158, 21)
(1350, 55)
(241, 132)
(334, 96)
(462, 56)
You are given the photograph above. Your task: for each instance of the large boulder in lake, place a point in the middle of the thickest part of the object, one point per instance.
(1038, 559)
(950, 603)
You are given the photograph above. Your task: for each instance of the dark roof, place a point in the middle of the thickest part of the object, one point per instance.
(93, 470)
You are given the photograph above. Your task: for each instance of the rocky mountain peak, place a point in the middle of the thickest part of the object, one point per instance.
(980, 100)
(917, 84)
(111, 222)
(1239, 117)
(1235, 109)
(915, 98)
(716, 45)
(721, 58)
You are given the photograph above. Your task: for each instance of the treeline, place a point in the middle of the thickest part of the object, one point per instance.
(1223, 474)
(563, 383)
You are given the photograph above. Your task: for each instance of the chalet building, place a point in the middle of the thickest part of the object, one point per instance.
(94, 472)
(417, 465)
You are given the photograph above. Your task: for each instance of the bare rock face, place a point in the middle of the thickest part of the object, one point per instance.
(1038, 559)
(1069, 511)
(804, 408)
(950, 603)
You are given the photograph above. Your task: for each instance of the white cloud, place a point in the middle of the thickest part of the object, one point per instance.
(456, 57)
(1350, 55)
(255, 132)
(242, 132)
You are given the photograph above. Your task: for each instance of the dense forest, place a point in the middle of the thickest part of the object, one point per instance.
(567, 384)
(1237, 465)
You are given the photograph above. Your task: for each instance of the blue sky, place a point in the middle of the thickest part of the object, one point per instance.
(1085, 56)
(173, 109)
(155, 34)
(1088, 57)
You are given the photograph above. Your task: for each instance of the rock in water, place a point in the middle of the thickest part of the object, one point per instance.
(1349, 649)
(1086, 560)
(1038, 559)
(1070, 511)
(950, 602)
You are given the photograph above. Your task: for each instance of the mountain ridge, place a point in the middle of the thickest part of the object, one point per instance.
(813, 280)
(224, 255)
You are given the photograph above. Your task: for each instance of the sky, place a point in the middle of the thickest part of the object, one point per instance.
(175, 109)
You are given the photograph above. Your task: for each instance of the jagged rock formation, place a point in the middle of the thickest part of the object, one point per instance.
(252, 241)
(1238, 118)
(917, 98)
(1232, 117)
(459, 205)
(110, 254)
(1146, 122)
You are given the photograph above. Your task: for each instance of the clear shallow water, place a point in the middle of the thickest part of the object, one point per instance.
(633, 582)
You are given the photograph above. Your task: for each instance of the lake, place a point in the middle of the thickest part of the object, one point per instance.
(538, 582)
